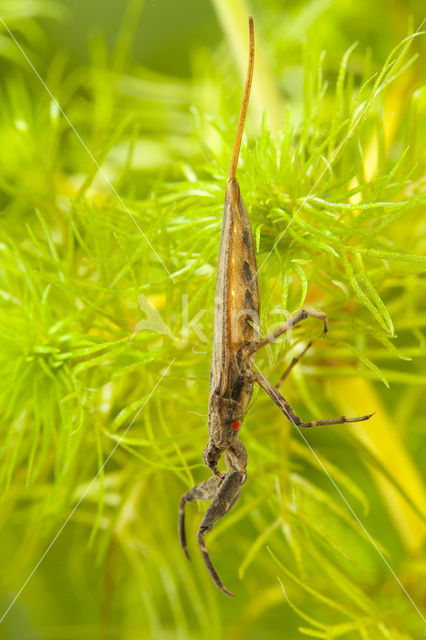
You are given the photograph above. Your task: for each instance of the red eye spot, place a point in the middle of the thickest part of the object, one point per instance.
(236, 425)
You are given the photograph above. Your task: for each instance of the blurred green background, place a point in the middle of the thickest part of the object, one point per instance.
(91, 322)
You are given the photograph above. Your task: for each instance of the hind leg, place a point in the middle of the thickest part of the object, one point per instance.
(287, 410)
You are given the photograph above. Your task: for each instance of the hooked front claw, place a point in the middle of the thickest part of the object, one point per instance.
(226, 496)
(204, 491)
(212, 571)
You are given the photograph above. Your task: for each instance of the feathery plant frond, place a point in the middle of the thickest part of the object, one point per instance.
(90, 321)
(308, 220)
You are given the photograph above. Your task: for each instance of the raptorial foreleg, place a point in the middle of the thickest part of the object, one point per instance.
(226, 496)
(203, 491)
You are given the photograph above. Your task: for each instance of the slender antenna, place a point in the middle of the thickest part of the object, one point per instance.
(244, 104)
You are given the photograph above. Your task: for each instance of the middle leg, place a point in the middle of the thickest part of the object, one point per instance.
(254, 346)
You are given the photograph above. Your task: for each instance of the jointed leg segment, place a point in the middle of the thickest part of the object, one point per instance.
(223, 492)
(224, 489)
(287, 410)
(298, 317)
(203, 491)
(291, 365)
(225, 498)
(273, 392)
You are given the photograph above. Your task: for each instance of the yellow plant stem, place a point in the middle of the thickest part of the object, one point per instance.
(233, 16)
(380, 435)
